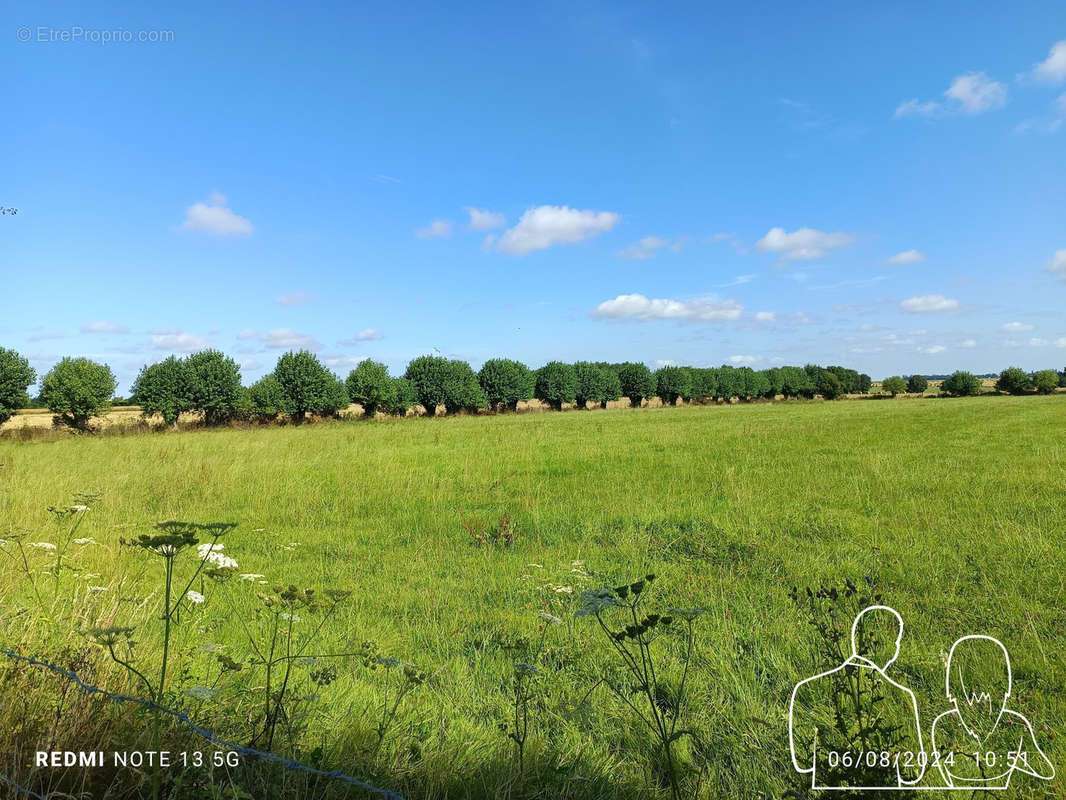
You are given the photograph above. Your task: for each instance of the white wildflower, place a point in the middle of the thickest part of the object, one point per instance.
(550, 619)
(202, 550)
(290, 617)
(251, 576)
(536, 566)
(194, 597)
(78, 509)
(86, 540)
(43, 545)
(564, 589)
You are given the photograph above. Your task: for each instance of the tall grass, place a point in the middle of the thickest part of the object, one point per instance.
(955, 507)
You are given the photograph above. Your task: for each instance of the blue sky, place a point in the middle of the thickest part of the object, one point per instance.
(883, 188)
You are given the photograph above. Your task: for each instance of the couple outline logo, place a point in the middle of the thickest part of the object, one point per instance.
(976, 744)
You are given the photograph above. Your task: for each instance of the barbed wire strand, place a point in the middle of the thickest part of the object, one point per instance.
(183, 718)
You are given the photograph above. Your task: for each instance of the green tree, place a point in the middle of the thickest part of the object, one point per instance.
(917, 384)
(591, 384)
(704, 384)
(1045, 381)
(795, 382)
(730, 383)
(164, 388)
(405, 397)
(612, 385)
(865, 382)
(370, 386)
(268, 399)
(428, 375)
(637, 382)
(506, 382)
(214, 385)
(961, 384)
(16, 375)
(308, 387)
(1013, 380)
(829, 385)
(462, 392)
(894, 385)
(78, 389)
(672, 383)
(556, 384)
(774, 382)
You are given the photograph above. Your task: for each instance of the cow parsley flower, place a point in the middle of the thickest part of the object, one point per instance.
(43, 545)
(194, 597)
(86, 540)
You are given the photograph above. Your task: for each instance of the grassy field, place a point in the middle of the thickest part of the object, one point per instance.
(955, 509)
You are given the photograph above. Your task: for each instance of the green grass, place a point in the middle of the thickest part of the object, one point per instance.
(956, 508)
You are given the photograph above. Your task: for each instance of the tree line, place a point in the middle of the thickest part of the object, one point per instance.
(209, 383)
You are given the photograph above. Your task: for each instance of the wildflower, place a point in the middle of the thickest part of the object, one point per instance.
(251, 576)
(550, 619)
(77, 509)
(563, 589)
(203, 550)
(290, 617)
(536, 566)
(43, 545)
(194, 597)
(86, 540)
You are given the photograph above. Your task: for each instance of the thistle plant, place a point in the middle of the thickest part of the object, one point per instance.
(647, 694)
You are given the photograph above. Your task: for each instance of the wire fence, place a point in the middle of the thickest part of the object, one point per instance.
(184, 719)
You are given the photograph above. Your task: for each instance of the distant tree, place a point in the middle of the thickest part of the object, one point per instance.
(774, 382)
(917, 384)
(894, 385)
(864, 384)
(405, 397)
(556, 384)
(78, 389)
(730, 383)
(428, 375)
(591, 383)
(672, 383)
(16, 375)
(612, 385)
(745, 380)
(850, 380)
(214, 385)
(309, 387)
(1013, 380)
(1062, 378)
(637, 382)
(961, 384)
(268, 399)
(795, 382)
(370, 386)
(829, 385)
(506, 382)
(1045, 381)
(164, 388)
(462, 392)
(704, 384)
(760, 384)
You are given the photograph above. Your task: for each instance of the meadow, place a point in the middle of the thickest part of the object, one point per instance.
(467, 543)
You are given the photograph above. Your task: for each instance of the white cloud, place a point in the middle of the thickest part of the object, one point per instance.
(216, 218)
(968, 343)
(744, 359)
(976, 93)
(929, 302)
(365, 335)
(972, 93)
(765, 316)
(103, 327)
(250, 364)
(288, 339)
(639, 307)
(802, 244)
(1017, 327)
(435, 229)
(914, 108)
(179, 342)
(294, 299)
(1057, 264)
(545, 226)
(1053, 68)
(488, 242)
(1038, 342)
(643, 249)
(484, 220)
(335, 361)
(906, 257)
(932, 350)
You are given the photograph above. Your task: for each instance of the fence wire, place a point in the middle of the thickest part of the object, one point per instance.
(183, 718)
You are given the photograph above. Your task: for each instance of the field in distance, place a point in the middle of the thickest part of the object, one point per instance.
(954, 508)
